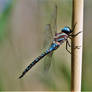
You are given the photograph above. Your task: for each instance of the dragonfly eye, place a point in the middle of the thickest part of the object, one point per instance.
(66, 30)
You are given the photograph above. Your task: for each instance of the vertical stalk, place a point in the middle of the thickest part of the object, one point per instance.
(77, 44)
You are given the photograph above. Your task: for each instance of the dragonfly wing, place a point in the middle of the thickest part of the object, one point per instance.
(51, 31)
(54, 21)
(48, 36)
(47, 61)
(47, 44)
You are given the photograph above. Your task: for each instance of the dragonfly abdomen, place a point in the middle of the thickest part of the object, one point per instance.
(33, 63)
(53, 47)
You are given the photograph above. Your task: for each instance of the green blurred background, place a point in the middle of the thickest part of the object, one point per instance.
(22, 33)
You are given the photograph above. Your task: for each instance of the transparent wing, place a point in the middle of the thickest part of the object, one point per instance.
(48, 36)
(47, 61)
(47, 43)
(52, 30)
(54, 21)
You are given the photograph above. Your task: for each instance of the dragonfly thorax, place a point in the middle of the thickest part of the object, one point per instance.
(60, 38)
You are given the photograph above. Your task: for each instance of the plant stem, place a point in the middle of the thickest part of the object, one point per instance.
(77, 44)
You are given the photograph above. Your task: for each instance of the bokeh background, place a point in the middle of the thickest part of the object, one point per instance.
(22, 35)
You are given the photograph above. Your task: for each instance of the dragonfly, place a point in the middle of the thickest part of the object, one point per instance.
(56, 39)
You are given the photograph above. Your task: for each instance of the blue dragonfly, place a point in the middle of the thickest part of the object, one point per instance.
(55, 39)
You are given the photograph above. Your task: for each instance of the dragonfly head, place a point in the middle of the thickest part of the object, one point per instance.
(66, 30)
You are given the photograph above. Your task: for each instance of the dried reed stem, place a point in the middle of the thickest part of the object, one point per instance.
(77, 44)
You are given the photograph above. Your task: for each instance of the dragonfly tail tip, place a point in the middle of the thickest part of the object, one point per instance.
(20, 77)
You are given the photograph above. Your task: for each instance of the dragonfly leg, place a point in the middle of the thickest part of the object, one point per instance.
(68, 44)
(75, 34)
(70, 37)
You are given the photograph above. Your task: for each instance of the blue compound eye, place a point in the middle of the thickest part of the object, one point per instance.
(66, 30)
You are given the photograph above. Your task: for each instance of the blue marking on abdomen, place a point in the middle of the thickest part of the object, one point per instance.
(53, 47)
(36, 59)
